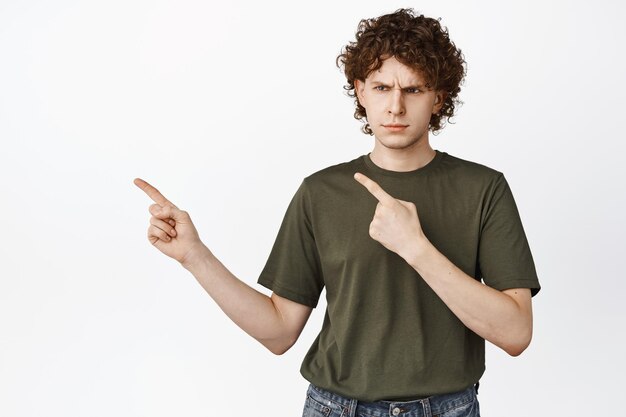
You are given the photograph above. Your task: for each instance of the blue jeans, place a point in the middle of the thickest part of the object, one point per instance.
(323, 403)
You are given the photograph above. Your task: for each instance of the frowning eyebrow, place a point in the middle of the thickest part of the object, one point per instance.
(411, 85)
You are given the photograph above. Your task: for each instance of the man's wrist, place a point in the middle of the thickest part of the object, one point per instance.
(418, 252)
(196, 256)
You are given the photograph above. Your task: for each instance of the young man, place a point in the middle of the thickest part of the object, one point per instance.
(400, 238)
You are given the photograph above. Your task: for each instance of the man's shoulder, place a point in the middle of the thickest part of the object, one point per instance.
(470, 170)
(332, 173)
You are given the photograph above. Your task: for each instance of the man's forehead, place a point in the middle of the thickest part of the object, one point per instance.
(413, 77)
(396, 71)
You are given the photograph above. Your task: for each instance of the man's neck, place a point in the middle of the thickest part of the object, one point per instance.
(402, 160)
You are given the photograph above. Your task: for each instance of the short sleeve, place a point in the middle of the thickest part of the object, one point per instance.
(504, 256)
(293, 268)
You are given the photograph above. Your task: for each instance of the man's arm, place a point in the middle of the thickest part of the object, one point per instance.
(275, 322)
(502, 317)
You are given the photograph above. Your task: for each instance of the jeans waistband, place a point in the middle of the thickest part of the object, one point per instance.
(433, 405)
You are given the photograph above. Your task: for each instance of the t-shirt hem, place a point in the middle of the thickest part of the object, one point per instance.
(287, 293)
(375, 396)
(531, 284)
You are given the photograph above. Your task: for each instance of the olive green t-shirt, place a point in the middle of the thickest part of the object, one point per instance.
(386, 335)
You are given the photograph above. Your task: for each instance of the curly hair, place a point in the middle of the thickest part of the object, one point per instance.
(418, 42)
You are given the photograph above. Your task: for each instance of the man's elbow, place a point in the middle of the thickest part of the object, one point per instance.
(278, 351)
(519, 345)
(520, 329)
(279, 347)
(515, 350)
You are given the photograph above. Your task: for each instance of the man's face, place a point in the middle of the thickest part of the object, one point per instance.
(397, 104)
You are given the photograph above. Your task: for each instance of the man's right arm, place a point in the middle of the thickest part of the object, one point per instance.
(275, 321)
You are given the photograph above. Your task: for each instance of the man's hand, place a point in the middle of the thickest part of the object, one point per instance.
(396, 224)
(171, 230)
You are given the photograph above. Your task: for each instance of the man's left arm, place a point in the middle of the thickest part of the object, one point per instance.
(502, 317)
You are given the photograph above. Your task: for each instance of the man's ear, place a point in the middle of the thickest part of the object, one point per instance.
(359, 86)
(440, 97)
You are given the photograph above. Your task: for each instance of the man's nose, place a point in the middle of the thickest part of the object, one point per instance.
(396, 102)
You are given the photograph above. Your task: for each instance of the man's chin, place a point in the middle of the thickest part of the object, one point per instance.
(398, 143)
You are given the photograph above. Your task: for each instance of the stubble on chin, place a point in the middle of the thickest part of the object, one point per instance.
(400, 145)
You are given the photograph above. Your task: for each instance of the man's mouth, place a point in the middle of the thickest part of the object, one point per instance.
(395, 127)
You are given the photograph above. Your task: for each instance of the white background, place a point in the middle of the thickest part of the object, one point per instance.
(225, 108)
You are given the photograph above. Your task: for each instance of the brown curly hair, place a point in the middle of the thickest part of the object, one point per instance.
(418, 42)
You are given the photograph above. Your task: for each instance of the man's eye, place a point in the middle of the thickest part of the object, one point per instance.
(412, 90)
(380, 88)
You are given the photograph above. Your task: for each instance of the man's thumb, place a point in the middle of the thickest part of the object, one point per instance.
(171, 212)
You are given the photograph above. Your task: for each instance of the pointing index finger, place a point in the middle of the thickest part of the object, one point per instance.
(152, 192)
(375, 189)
